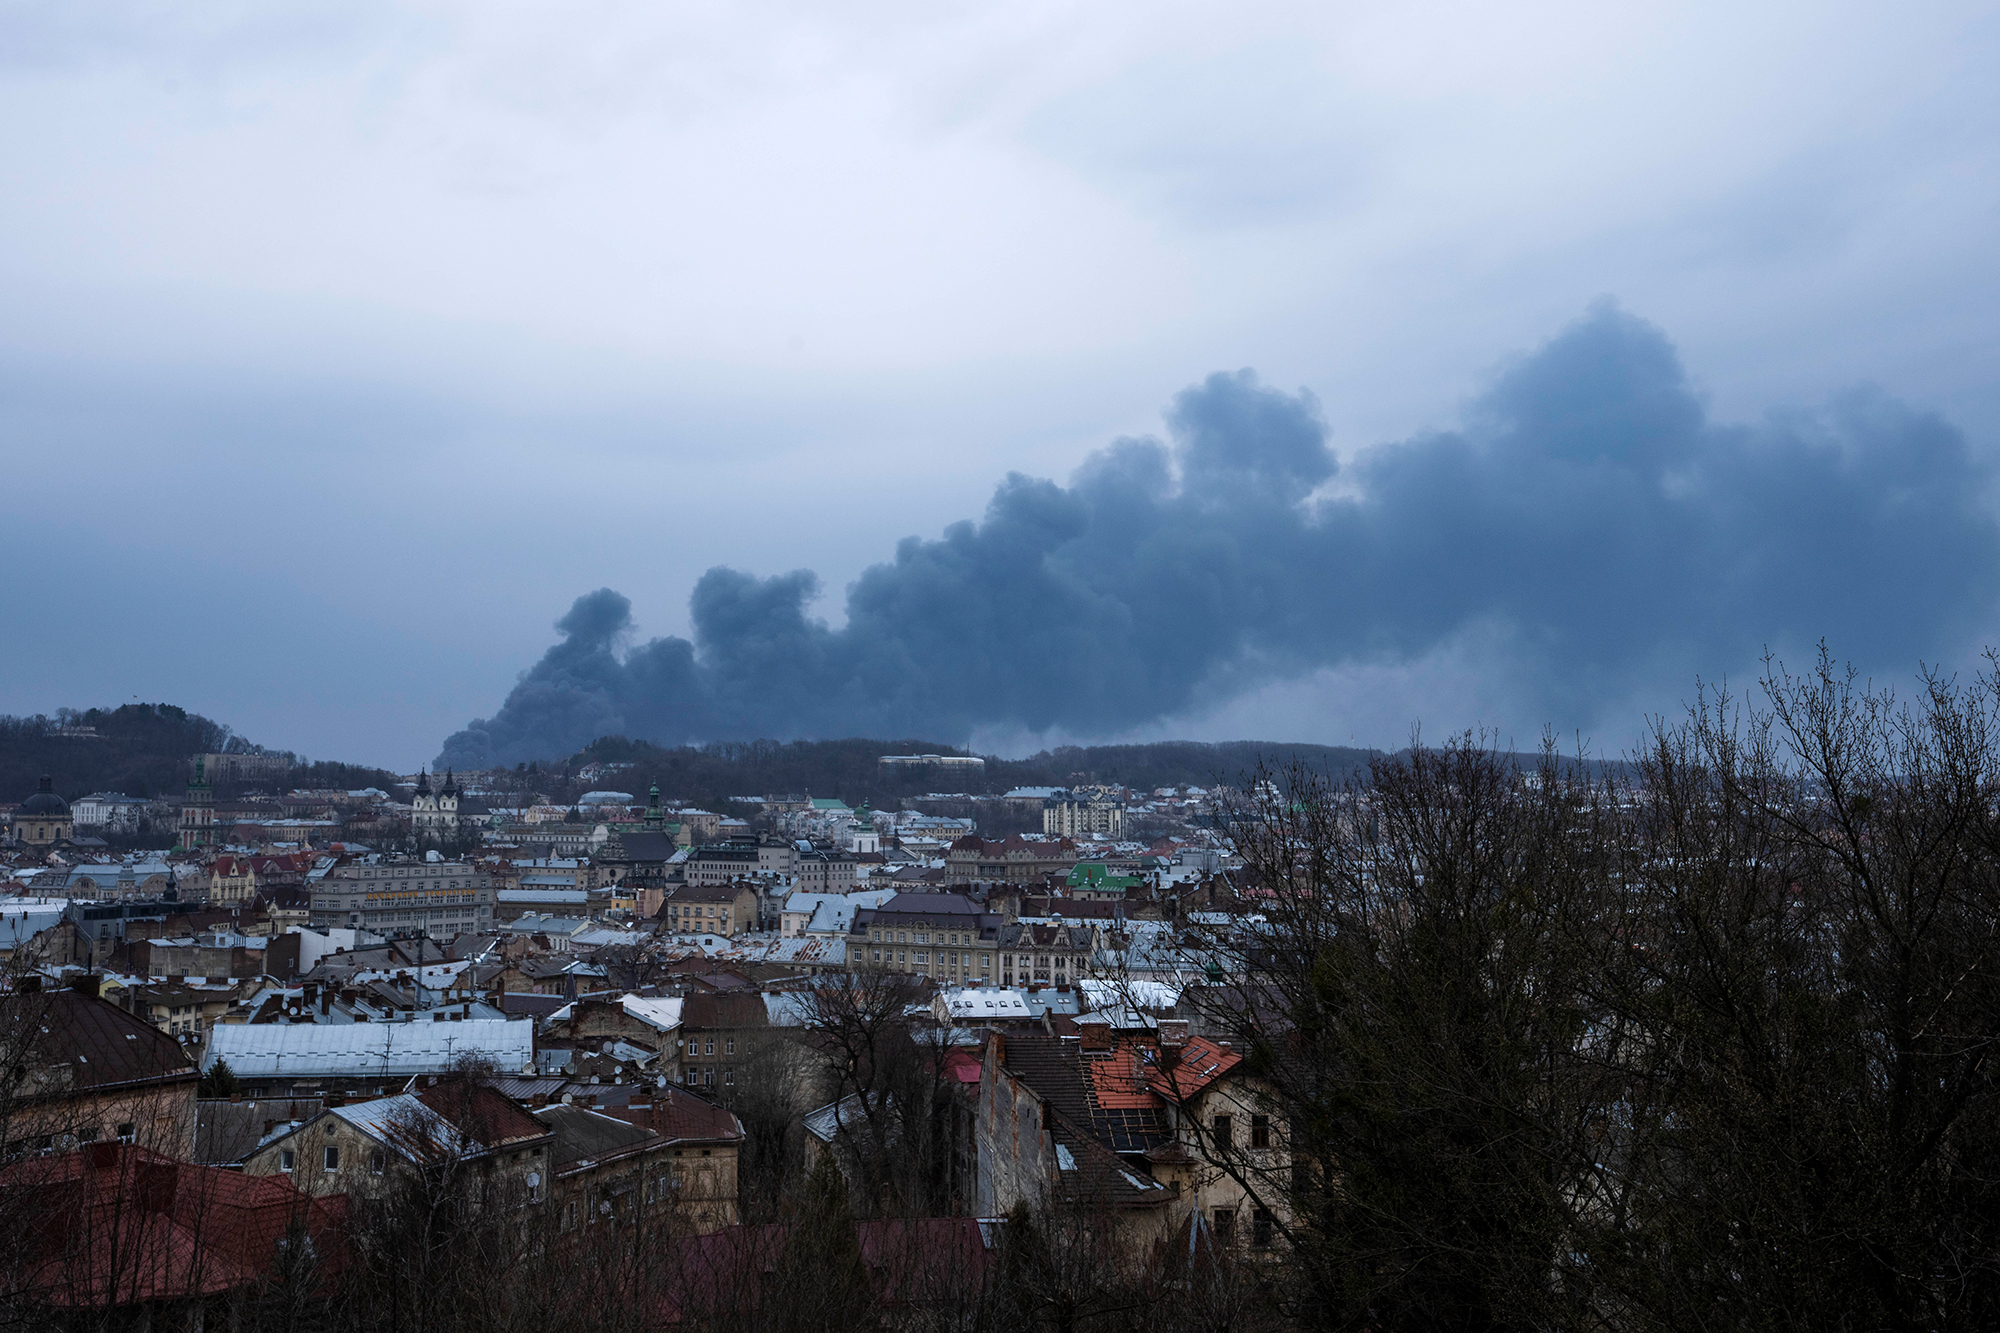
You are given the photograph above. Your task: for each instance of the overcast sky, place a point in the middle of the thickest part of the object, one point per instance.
(343, 346)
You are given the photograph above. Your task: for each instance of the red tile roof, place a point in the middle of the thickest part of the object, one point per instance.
(119, 1224)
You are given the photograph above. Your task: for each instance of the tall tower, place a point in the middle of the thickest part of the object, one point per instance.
(198, 811)
(656, 818)
(423, 807)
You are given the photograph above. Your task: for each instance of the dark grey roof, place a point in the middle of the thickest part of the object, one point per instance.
(586, 1135)
(643, 846)
(227, 1132)
(102, 1045)
(45, 802)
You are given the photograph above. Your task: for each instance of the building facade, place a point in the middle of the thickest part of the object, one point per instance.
(198, 810)
(438, 897)
(1078, 816)
(43, 820)
(434, 815)
(944, 936)
(711, 909)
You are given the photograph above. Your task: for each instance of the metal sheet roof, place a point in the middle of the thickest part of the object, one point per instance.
(361, 1050)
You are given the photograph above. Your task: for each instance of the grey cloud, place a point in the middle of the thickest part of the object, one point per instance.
(1588, 507)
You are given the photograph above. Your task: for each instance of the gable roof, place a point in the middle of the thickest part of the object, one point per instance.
(226, 1132)
(678, 1116)
(441, 1120)
(121, 1225)
(661, 1013)
(100, 1045)
(585, 1137)
(725, 1009)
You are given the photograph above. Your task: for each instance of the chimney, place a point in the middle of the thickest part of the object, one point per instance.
(1096, 1035)
(1173, 1033)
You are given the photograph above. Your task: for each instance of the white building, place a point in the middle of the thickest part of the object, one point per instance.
(111, 811)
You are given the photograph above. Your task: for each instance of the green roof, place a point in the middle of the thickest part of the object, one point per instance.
(828, 803)
(1094, 875)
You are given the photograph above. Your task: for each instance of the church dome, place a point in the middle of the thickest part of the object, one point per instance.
(45, 802)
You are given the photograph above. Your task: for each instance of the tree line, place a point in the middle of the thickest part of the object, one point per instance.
(1707, 1042)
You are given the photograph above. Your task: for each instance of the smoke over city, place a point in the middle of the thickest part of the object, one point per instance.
(1588, 519)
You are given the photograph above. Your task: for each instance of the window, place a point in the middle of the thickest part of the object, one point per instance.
(125, 1132)
(376, 1162)
(534, 1187)
(729, 1074)
(285, 1159)
(1260, 1131)
(711, 1047)
(1224, 1131)
(729, 1047)
(1225, 1225)
(332, 1157)
(1262, 1228)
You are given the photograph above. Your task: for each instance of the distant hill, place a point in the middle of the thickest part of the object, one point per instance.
(848, 769)
(139, 749)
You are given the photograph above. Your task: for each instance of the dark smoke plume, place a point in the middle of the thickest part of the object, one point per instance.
(1589, 511)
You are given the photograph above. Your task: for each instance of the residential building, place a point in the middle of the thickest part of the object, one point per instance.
(720, 1035)
(1093, 879)
(714, 909)
(741, 858)
(944, 936)
(109, 812)
(606, 1171)
(365, 1149)
(185, 1013)
(1076, 815)
(124, 882)
(1014, 859)
(648, 1024)
(702, 1147)
(946, 763)
(827, 914)
(265, 768)
(1045, 953)
(85, 1071)
(820, 871)
(437, 897)
(228, 1130)
(1144, 1126)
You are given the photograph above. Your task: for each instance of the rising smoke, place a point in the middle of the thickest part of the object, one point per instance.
(1588, 509)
